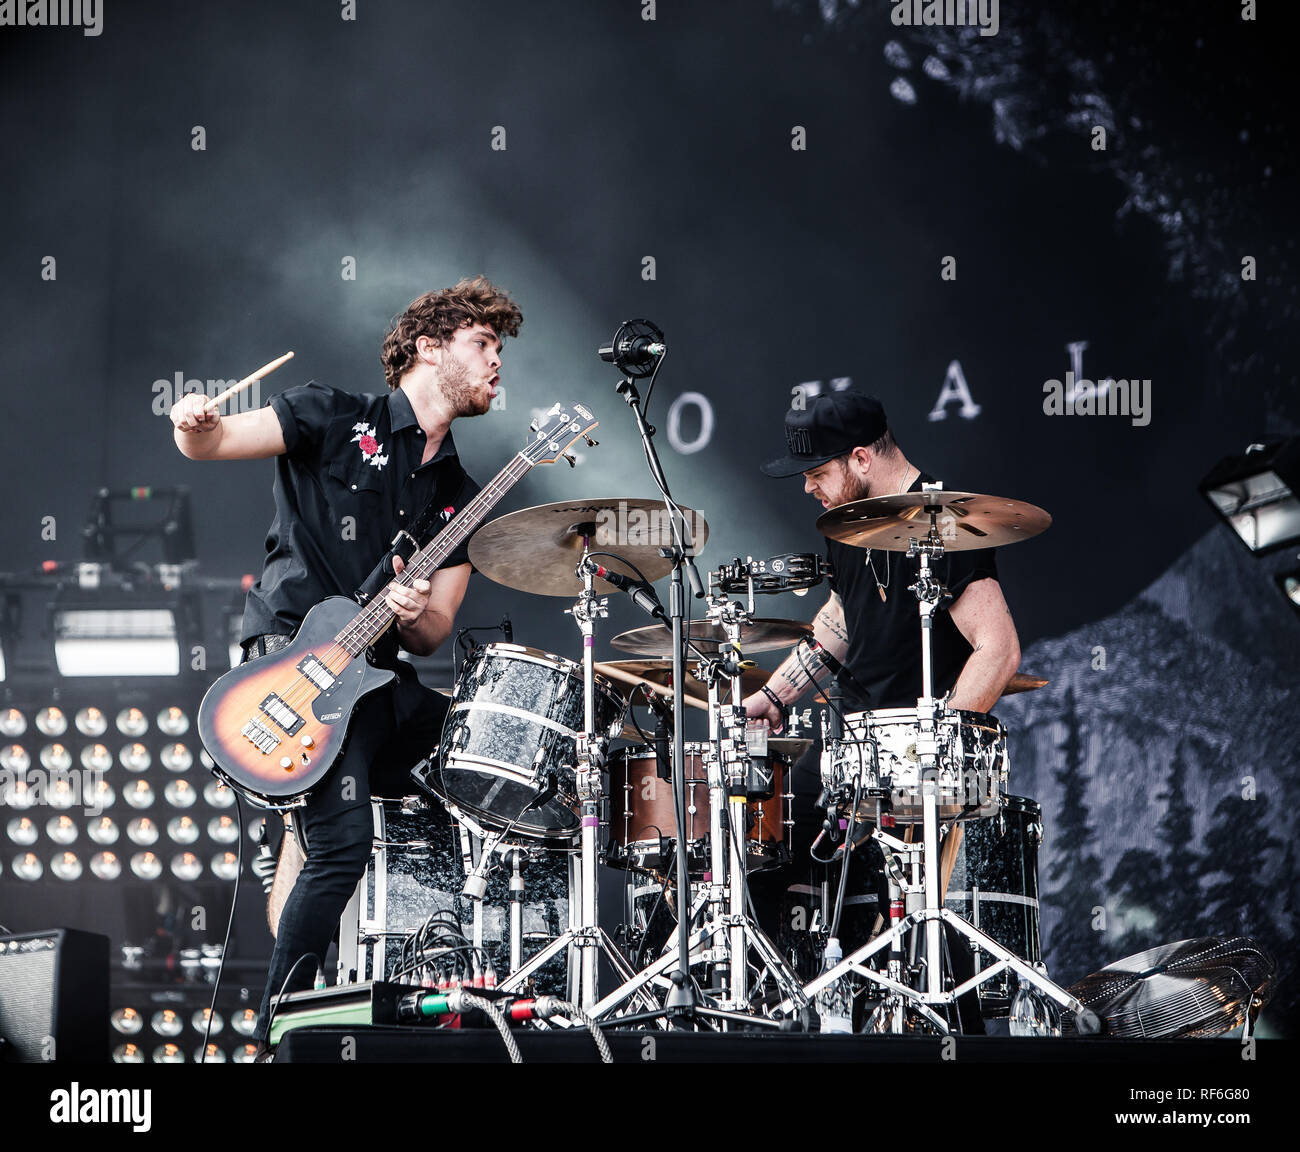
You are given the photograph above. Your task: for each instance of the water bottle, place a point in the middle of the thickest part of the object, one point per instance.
(834, 1004)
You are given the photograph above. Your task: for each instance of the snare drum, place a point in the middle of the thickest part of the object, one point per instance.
(643, 825)
(509, 746)
(879, 753)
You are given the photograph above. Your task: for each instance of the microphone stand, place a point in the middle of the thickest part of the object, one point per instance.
(682, 999)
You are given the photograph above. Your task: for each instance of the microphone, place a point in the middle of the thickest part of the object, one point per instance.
(636, 352)
(638, 344)
(662, 733)
(507, 628)
(643, 596)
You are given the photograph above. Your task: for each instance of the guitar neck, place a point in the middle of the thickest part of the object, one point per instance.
(374, 619)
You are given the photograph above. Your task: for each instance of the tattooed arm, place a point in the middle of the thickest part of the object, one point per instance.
(800, 670)
(982, 616)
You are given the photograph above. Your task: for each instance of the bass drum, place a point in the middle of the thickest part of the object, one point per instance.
(509, 746)
(994, 886)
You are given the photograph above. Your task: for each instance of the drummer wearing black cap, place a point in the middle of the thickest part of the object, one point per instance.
(841, 444)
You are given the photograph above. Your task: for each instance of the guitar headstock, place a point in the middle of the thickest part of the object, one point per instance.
(554, 432)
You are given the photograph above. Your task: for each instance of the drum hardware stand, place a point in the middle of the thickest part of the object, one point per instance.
(931, 915)
(584, 933)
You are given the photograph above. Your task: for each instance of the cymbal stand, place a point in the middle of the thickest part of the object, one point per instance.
(932, 915)
(590, 940)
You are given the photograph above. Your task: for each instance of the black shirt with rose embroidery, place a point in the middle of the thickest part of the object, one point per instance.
(349, 478)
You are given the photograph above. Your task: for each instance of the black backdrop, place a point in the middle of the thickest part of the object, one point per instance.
(371, 139)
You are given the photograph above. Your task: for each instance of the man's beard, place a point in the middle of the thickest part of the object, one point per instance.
(458, 389)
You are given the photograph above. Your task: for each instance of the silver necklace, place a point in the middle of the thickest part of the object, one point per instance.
(879, 586)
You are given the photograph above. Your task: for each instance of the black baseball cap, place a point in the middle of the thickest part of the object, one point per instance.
(829, 425)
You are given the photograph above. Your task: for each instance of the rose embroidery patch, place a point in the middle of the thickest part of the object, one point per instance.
(370, 447)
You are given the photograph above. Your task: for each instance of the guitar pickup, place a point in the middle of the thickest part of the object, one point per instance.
(261, 737)
(288, 720)
(317, 673)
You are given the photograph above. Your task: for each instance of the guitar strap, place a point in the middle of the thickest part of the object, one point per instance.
(405, 544)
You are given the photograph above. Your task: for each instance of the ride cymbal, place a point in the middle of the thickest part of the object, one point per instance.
(964, 521)
(537, 549)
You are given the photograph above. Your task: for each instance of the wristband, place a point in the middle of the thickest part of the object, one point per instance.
(774, 698)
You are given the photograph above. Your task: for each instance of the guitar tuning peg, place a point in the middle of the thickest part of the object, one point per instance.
(532, 427)
(590, 442)
(553, 410)
(572, 462)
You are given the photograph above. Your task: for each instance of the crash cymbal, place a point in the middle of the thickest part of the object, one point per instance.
(659, 673)
(965, 521)
(792, 746)
(1023, 683)
(758, 636)
(537, 549)
(1205, 986)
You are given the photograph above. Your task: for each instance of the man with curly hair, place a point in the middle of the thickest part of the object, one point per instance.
(351, 471)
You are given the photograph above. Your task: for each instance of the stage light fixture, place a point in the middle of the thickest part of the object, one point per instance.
(187, 866)
(244, 1021)
(223, 829)
(91, 722)
(128, 1054)
(106, 865)
(245, 1054)
(180, 793)
(66, 866)
(135, 757)
(146, 866)
(103, 831)
(139, 794)
(218, 795)
(14, 758)
(22, 831)
(1258, 494)
(173, 721)
(167, 1022)
(56, 758)
(127, 1021)
(168, 1054)
(96, 758)
(176, 758)
(116, 642)
(214, 1055)
(61, 794)
(182, 830)
(199, 1021)
(142, 831)
(225, 866)
(12, 723)
(62, 829)
(28, 866)
(103, 794)
(51, 721)
(132, 722)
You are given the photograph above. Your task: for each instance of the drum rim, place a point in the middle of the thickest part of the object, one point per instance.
(548, 659)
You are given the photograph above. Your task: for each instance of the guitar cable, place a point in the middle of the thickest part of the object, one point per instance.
(230, 922)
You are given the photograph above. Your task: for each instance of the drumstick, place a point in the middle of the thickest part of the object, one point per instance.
(631, 678)
(264, 370)
(948, 857)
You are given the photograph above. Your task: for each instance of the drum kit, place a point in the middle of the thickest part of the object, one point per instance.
(529, 764)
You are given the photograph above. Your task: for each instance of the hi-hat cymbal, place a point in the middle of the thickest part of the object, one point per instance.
(659, 674)
(965, 521)
(758, 636)
(537, 549)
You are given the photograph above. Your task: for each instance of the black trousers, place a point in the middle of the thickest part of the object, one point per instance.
(392, 729)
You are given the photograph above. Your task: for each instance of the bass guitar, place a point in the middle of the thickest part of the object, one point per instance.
(276, 725)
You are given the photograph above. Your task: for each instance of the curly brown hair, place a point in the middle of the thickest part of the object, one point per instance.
(474, 300)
